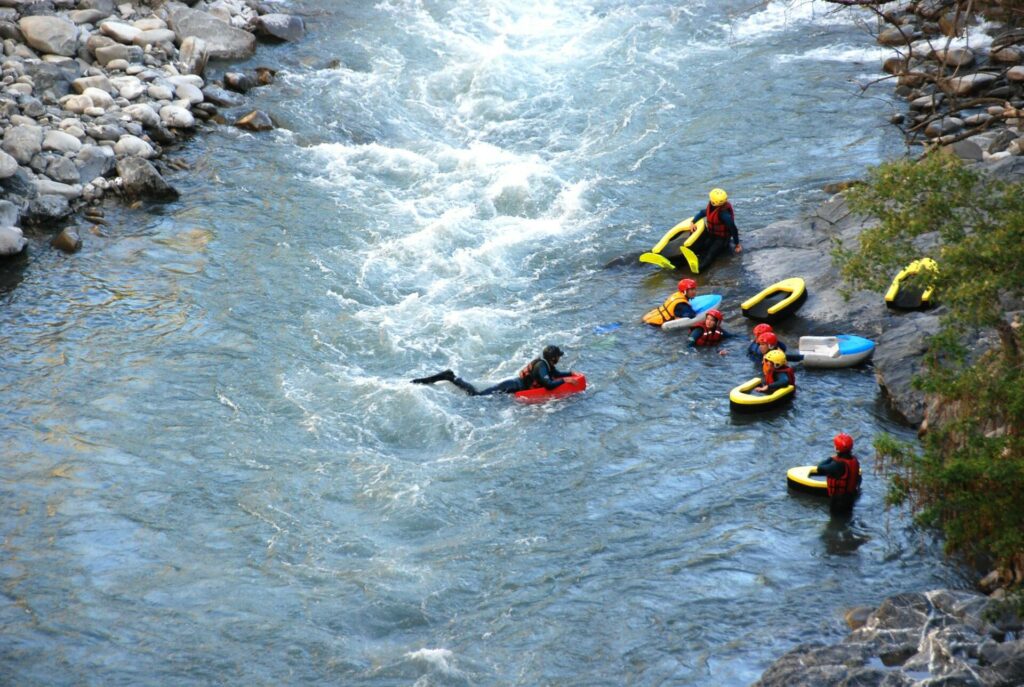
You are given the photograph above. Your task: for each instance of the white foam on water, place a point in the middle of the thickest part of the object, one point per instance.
(866, 54)
(439, 659)
(780, 16)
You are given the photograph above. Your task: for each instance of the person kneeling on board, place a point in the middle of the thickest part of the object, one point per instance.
(675, 306)
(721, 226)
(710, 332)
(776, 374)
(842, 472)
(769, 341)
(539, 372)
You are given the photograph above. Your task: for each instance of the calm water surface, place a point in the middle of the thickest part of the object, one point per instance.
(215, 470)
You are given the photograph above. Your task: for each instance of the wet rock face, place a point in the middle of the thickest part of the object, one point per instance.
(223, 41)
(918, 639)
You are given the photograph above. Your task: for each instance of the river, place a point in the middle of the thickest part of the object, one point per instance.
(217, 472)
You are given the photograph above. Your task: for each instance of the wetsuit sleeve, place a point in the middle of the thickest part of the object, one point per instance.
(700, 215)
(831, 468)
(754, 352)
(544, 377)
(794, 357)
(729, 221)
(558, 374)
(695, 334)
(684, 310)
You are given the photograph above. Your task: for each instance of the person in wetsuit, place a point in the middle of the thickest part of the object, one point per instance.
(842, 472)
(539, 372)
(768, 341)
(676, 306)
(721, 227)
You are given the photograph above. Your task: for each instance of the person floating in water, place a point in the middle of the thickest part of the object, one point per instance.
(768, 341)
(721, 226)
(709, 332)
(842, 473)
(538, 373)
(676, 306)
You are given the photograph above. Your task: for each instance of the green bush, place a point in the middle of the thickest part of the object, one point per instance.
(967, 475)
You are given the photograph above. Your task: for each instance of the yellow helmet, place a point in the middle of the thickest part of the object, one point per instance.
(775, 357)
(718, 196)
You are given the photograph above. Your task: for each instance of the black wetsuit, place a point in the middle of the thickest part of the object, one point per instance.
(544, 374)
(839, 504)
(718, 244)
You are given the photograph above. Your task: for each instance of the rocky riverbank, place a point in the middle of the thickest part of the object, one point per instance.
(94, 92)
(969, 101)
(940, 637)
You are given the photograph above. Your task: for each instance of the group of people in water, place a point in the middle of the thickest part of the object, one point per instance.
(842, 470)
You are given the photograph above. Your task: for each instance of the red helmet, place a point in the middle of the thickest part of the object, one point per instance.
(761, 329)
(768, 338)
(843, 443)
(717, 314)
(686, 284)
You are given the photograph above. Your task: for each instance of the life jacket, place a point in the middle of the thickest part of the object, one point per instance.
(664, 313)
(847, 484)
(708, 337)
(716, 227)
(528, 375)
(770, 371)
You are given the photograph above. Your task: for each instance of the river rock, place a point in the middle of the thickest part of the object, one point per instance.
(895, 37)
(221, 97)
(1006, 55)
(50, 34)
(970, 83)
(257, 120)
(128, 87)
(193, 55)
(954, 57)
(223, 41)
(133, 146)
(282, 27)
(141, 180)
(943, 126)
(67, 240)
(144, 114)
(239, 82)
(85, 16)
(150, 24)
(12, 241)
(48, 187)
(160, 91)
(187, 91)
(100, 98)
(119, 31)
(105, 6)
(44, 210)
(62, 170)
(94, 161)
(154, 37)
(177, 117)
(61, 142)
(8, 165)
(110, 53)
(99, 81)
(23, 142)
(8, 213)
(76, 103)
(1015, 74)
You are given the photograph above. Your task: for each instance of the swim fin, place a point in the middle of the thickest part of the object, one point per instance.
(446, 376)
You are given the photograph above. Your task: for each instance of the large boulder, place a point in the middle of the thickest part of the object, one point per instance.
(223, 41)
(282, 27)
(140, 180)
(50, 34)
(898, 361)
(971, 83)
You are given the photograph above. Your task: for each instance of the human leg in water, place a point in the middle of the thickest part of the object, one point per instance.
(506, 387)
(446, 376)
(716, 247)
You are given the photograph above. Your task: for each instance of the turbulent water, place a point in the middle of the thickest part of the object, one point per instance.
(215, 470)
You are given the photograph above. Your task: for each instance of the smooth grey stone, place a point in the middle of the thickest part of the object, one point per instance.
(48, 34)
(141, 180)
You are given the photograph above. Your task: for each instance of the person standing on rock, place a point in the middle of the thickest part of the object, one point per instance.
(842, 472)
(538, 373)
(721, 226)
(675, 306)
